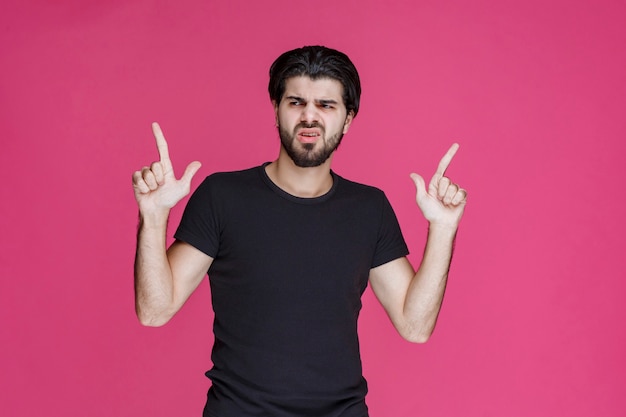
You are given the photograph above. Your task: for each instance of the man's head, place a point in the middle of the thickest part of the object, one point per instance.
(316, 62)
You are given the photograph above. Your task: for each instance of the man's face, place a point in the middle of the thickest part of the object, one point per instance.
(311, 119)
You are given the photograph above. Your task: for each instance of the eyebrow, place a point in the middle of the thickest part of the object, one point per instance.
(322, 101)
(327, 101)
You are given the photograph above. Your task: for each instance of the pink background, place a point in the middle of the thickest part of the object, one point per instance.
(534, 91)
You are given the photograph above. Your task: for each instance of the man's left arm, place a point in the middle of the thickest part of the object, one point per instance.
(413, 299)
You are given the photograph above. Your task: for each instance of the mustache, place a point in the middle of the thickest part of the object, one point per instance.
(305, 125)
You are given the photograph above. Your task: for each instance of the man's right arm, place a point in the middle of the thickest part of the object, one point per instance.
(164, 279)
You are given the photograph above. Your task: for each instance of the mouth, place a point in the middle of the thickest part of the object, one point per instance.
(308, 135)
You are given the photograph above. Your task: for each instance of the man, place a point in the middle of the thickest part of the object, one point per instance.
(290, 247)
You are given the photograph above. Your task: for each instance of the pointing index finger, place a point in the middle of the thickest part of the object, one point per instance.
(161, 143)
(445, 161)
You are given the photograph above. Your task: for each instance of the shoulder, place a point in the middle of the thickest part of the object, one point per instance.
(355, 189)
(230, 180)
(233, 176)
(220, 187)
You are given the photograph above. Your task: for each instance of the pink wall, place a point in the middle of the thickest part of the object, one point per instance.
(534, 91)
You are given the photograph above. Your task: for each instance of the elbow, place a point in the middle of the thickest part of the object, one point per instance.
(417, 337)
(416, 334)
(152, 320)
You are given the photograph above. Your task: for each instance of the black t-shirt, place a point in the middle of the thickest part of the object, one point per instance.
(286, 285)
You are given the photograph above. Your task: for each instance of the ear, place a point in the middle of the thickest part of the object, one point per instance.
(349, 119)
(275, 105)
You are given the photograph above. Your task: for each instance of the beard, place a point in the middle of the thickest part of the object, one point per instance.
(304, 155)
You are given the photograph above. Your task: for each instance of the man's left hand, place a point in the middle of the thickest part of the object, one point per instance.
(444, 201)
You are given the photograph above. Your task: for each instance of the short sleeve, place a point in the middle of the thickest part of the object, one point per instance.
(390, 244)
(199, 225)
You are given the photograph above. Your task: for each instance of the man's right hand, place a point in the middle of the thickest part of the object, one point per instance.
(156, 187)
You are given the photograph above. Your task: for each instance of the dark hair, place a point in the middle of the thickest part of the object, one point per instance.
(316, 62)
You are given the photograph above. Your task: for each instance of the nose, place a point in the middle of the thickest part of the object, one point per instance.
(309, 113)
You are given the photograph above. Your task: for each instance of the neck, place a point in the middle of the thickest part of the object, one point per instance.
(300, 182)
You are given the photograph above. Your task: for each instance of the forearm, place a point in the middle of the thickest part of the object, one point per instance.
(426, 289)
(153, 275)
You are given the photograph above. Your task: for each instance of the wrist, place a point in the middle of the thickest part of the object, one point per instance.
(153, 218)
(443, 228)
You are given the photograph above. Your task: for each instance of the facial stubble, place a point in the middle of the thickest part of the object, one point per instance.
(304, 155)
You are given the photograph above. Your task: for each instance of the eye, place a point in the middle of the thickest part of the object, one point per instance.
(295, 103)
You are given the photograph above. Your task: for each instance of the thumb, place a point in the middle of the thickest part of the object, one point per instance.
(190, 171)
(420, 185)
